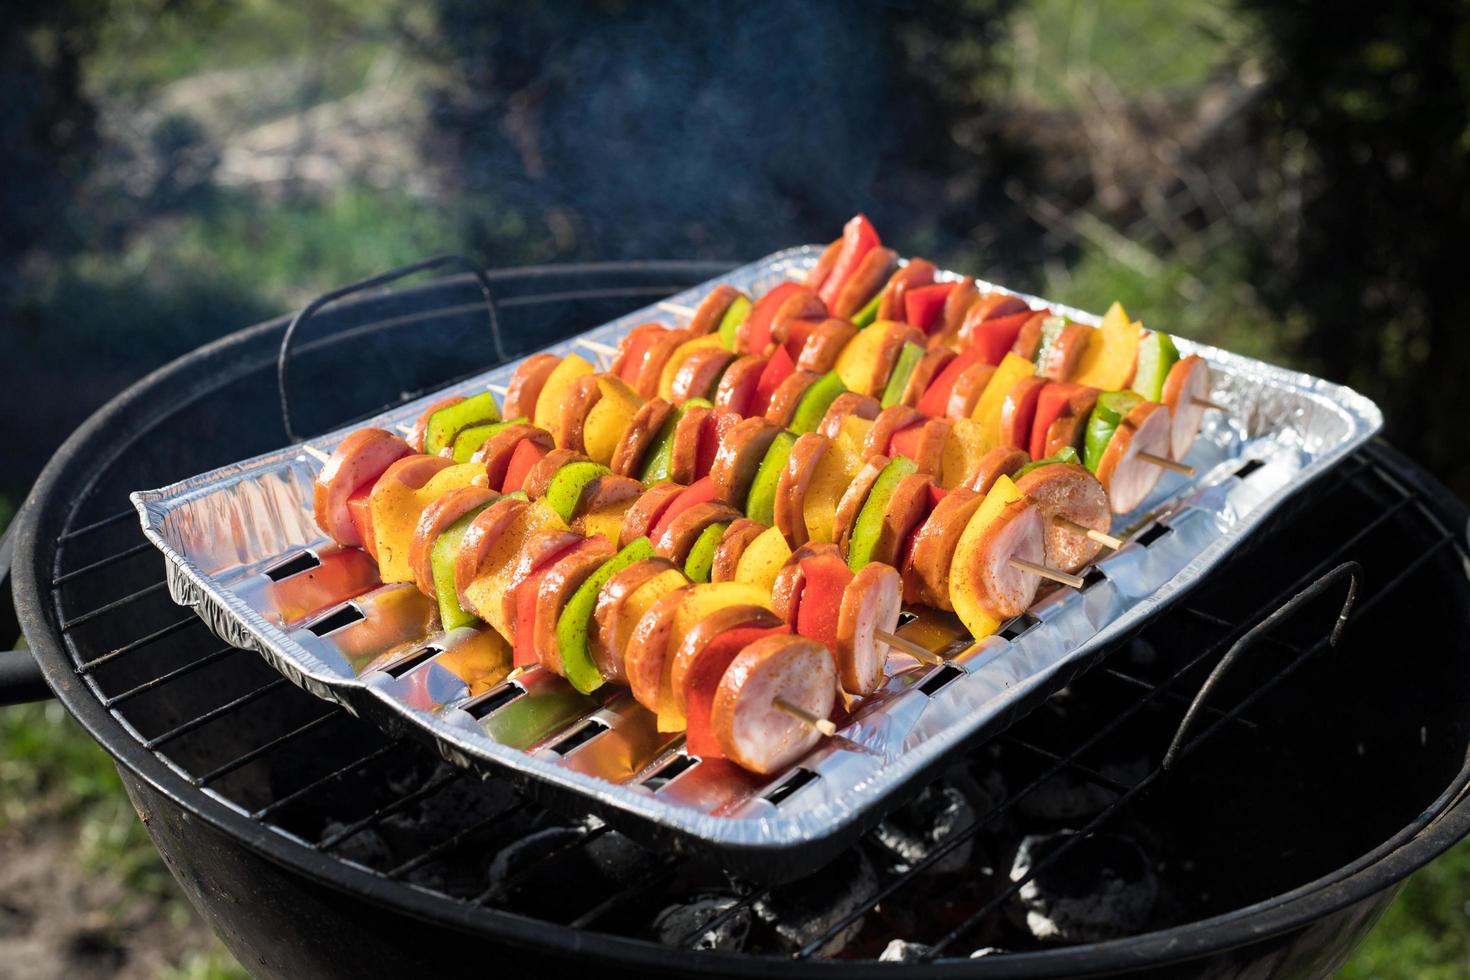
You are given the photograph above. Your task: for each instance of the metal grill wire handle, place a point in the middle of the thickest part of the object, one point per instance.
(1349, 569)
(283, 357)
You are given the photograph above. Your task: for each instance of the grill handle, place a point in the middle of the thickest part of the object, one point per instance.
(20, 675)
(283, 357)
(1350, 570)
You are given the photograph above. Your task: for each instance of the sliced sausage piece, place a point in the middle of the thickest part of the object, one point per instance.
(581, 396)
(994, 465)
(684, 453)
(1188, 380)
(790, 579)
(630, 342)
(739, 456)
(565, 576)
(751, 731)
(791, 488)
(360, 458)
(930, 453)
(929, 366)
(870, 603)
(733, 542)
(711, 309)
(1070, 428)
(607, 490)
(898, 334)
(1006, 590)
(540, 548)
(1069, 491)
(482, 534)
(818, 273)
(845, 404)
(926, 576)
(871, 273)
(1028, 340)
(1061, 359)
(804, 304)
(1018, 411)
(968, 388)
(676, 540)
(700, 373)
(415, 435)
(643, 428)
(687, 648)
(889, 421)
(648, 648)
(853, 498)
(496, 451)
(538, 478)
(788, 395)
(526, 384)
(736, 388)
(1127, 479)
(919, 272)
(956, 305)
(433, 522)
(651, 365)
(991, 306)
(612, 623)
(823, 345)
(646, 510)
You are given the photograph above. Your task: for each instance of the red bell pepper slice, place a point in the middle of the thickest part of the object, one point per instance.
(526, 455)
(777, 370)
(825, 576)
(922, 306)
(1050, 404)
(905, 442)
(936, 397)
(796, 337)
(757, 327)
(859, 237)
(715, 425)
(523, 651)
(994, 338)
(936, 494)
(362, 517)
(703, 680)
(698, 492)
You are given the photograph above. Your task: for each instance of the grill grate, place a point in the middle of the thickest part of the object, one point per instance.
(160, 659)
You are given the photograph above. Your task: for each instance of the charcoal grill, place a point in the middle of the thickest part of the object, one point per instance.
(1307, 783)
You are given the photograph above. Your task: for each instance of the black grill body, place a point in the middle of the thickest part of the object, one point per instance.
(1316, 779)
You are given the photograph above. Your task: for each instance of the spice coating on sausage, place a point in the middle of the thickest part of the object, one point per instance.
(1127, 479)
(750, 729)
(526, 384)
(643, 428)
(870, 603)
(360, 458)
(1069, 491)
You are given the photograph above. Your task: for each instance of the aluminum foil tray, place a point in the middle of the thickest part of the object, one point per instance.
(243, 550)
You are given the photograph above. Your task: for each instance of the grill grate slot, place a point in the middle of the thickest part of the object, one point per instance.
(333, 621)
(296, 564)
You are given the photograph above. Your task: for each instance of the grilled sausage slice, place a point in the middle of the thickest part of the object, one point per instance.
(526, 384)
(824, 344)
(733, 542)
(991, 306)
(1028, 340)
(908, 506)
(818, 273)
(700, 373)
(790, 579)
(687, 648)
(650, 367)
(565, 576)
(788, 395)
(482, 534)
(433, 522)
(739, 456)
(1069, 491)
(956, 305)
(1018, 411)
(676, 540)
(736, 388)
(870, 603)
(1060, 360)
(926, 575)
(930, 453)
(358, 459)
(538, 478)
(647, 509)
(643, 428)
(648, 648)
(581, 396)
(791, 488)
(750, 729)
(540, 547)
(869, 276)
(711, 309)
(613, 625)
(968, 388)
(1006, 590)
(889, 421)
(1187, 380)
(919, 272)
(1126, 478)
(496, 451)
(845, 404)
(416, 434)
(994, 465)
(684, 453)
(898, 334)
(803, 304)
(929, 366)
(853, 498)
(620, 360)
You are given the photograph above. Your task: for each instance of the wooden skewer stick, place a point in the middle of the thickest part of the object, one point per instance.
(822, 725)
(922, 654)
(796, 275)
(403, 427)
(500, 390)
(1073, 581)
(1165, 462)
(687, 312)
(1206, 403)
(1107, 540)
(317, 454)
(597, 346)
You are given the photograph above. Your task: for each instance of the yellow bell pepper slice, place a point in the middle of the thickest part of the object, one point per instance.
(1109, 361)
(1012, 368)
(964, 592)
(395, 510)
(558, 385)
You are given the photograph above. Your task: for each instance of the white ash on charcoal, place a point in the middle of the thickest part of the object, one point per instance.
(618, 858)
(1101, 887)
(903, 951)
(1068, 796)
(911, 833)
(674, 924)
(799, 912)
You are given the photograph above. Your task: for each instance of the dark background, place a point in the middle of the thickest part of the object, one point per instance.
(1283, 179)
